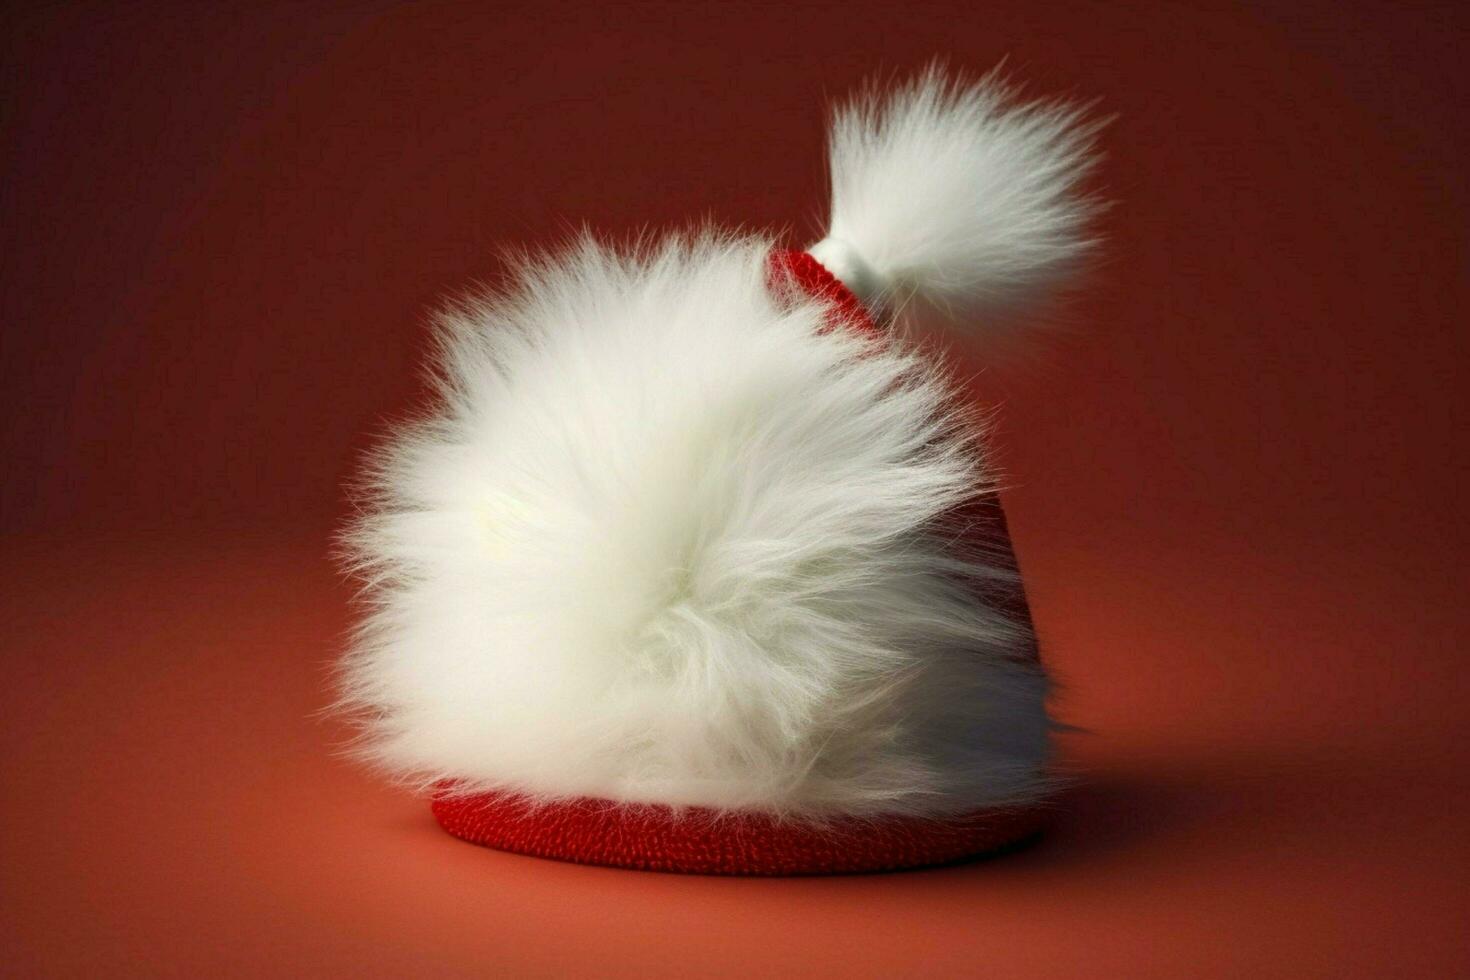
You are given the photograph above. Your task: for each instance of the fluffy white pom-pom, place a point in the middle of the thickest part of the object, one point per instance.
(953, 198)
(666, 539)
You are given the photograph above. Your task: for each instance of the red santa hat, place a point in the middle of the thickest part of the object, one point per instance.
(697, 563)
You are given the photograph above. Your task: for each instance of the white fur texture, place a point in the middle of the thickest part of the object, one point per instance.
(668, 540)
(665, 538)
(957, 199)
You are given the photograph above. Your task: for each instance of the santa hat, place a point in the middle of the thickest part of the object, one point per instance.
(697, 563)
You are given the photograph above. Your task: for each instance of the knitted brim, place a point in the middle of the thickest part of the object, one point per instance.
(696, 841)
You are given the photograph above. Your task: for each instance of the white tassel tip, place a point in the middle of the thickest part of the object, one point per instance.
(958, 199)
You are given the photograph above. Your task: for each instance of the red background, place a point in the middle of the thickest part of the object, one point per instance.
(1236, 484)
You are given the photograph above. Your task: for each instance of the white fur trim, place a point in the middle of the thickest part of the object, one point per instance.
(957, 200)
(666, 540)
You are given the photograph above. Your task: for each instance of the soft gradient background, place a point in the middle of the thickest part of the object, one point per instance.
(1237, 482)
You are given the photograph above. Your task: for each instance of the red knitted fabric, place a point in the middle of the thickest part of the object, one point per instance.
(658, 838)
(654, 838)
(790, 268)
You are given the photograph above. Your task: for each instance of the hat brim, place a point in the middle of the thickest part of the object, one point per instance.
(699, 841)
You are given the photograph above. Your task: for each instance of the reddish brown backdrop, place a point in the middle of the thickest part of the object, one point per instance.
(1237, 482)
